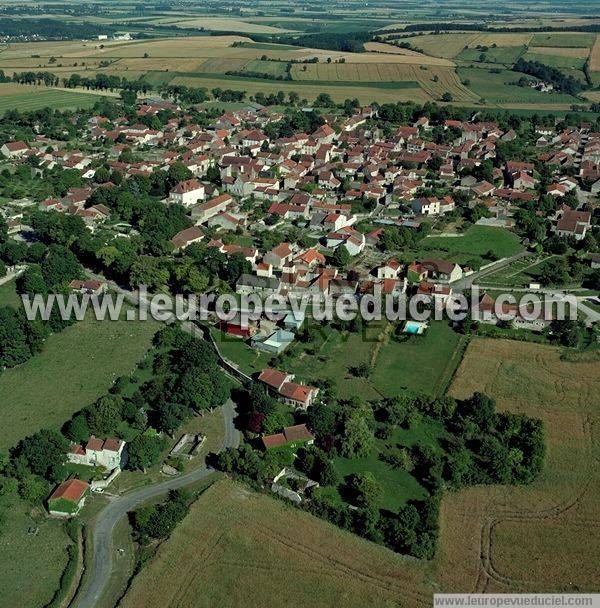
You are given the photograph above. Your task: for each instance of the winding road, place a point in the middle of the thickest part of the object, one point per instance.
(103, 560)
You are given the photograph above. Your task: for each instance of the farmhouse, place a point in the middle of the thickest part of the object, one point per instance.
(108, 453)
(299, 396)
(68, 498)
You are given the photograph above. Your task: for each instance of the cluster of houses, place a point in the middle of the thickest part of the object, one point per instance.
(326, 182)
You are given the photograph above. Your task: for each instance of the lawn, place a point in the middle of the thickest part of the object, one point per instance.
(477, 242)
(76, 367)
(423, 364)
(239, 549)
(26, 98)
(249, 360)
(332, 354)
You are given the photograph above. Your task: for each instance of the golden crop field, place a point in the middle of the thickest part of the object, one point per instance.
(579, 52)
(226, 25)
(382, 47)
(238, 548)
(366, 93)
(595, 56)
(434, 80)
(542, 537)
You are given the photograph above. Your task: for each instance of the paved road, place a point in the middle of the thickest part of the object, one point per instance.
(103, 560)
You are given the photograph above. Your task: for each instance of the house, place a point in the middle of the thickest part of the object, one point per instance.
(573, 223)
(249, 283)
(108, 453)
(186, 237)
(295, 436)
(300, 396)
(14, 149)
(279, 256)
(91, 286)
(68, 498)
(389, 270)
(203, 212)
(187, 193)
(442, 271)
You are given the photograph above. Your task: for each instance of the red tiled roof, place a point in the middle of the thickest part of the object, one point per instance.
(72, 490)
(273, 377)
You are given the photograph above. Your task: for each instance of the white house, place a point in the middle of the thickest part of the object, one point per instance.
(187, 193)
(108, 453)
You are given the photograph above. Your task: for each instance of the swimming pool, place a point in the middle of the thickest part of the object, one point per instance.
(414, 327)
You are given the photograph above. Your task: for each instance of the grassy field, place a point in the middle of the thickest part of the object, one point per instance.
(247, 359)
(75, 368)
(563, 39)
(494, 88)
(423, 364)
(398, 486)
(26, 557)
(504, 55)
(441, 45)
(542, 537)
(475, 243)
(237, 548)
(24, 98)
(433, 80)
(557, 61)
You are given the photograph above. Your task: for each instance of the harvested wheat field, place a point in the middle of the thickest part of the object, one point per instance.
(382, 47)
(435, 81)
(237, 548)
(543, 537)
(595, 56)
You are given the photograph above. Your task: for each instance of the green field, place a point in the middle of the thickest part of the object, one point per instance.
(495, 88)
(505, 55)
(76, 367)
(557, 61)
(30, 564)
(563, 39)
(477, 241)
(27, 98)
(423, 364)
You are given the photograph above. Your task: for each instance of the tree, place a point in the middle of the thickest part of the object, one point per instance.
(128, 97)
(447, 97)
(341, 257)
(44, 453)
(364, 490)
(357, 438)
(60, 267)
(77, 429)
(144, 451)
(104, 415)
